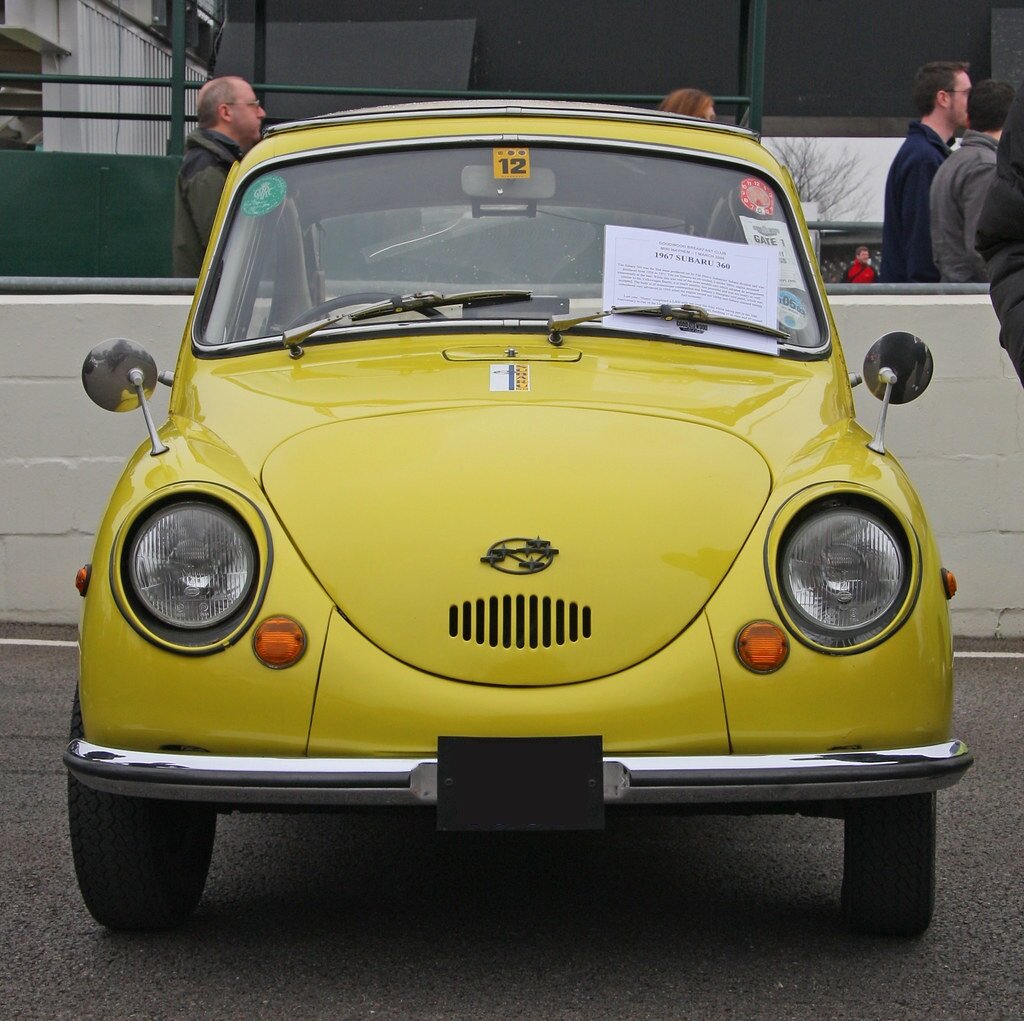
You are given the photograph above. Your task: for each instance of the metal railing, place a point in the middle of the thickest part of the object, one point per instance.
(749, 102)
(186, 285)
(97, 285)
(907, 288)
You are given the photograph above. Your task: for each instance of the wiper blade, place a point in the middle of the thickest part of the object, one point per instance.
(431, 299)
(405, 303)
(677, 313)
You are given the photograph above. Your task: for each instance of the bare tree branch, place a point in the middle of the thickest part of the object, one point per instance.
(834, 179)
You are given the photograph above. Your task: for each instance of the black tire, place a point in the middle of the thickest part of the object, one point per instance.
(141, 863)
(889, 865)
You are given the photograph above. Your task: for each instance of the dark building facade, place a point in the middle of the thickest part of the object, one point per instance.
(832, 67)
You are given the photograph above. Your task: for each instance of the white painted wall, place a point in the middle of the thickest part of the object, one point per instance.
(60, 455)
(962, 442)
(104, 37)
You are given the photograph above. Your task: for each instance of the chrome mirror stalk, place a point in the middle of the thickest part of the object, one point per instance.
(877, 444)
(157, 446)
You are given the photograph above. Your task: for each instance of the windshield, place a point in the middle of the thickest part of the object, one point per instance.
(581, 230)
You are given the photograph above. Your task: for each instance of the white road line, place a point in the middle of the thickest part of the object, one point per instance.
(74, 645)
(38, 641)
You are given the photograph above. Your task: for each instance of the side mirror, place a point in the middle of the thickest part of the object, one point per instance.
(119, 376)
(908, 356)
(106, 370)
(897, 370)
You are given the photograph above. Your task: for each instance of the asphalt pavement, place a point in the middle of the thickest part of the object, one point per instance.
(341, 917)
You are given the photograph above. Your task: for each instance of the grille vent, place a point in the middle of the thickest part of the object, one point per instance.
(520, 622)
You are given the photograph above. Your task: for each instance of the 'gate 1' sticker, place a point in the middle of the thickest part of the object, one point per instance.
(509, 377)
(774, 234)
(511, 163)
(757, 196)
(264, 195)
(792, 311)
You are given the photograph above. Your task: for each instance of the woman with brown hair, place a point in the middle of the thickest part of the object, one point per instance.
(691, 102)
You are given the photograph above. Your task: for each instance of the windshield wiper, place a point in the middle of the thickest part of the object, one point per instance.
(405, 303)
(670, 313)
(431, 299)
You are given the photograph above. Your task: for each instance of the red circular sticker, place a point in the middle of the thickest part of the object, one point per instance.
(757, 196)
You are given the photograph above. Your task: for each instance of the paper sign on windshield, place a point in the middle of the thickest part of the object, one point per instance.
(652, 267)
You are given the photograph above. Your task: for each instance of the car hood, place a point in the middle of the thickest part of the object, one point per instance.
(642, 516)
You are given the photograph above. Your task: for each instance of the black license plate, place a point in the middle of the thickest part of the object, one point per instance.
(520, 783)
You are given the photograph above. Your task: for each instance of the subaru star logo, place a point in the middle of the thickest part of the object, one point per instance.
(519, 556)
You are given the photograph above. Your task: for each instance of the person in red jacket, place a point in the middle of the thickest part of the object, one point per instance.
(861, 272)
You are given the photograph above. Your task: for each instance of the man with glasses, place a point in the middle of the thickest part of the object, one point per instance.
(941, 89)
(230, 122)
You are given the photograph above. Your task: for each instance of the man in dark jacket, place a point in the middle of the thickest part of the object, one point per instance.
(230, 121)
(940, 96)
(1000, 237)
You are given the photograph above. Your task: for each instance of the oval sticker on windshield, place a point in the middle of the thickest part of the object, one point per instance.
(511, 163)
(792, 311)
(264, 195)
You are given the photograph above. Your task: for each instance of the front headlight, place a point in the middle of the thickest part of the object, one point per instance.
(191, 565)
(843, 571)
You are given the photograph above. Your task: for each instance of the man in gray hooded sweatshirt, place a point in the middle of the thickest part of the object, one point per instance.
(962, 182)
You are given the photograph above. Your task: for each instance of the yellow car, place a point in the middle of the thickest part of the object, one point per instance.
(510, 474)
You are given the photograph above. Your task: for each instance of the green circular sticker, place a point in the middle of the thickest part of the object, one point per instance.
(263, 195)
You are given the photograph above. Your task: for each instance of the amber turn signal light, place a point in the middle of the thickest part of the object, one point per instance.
(279, 642)
(82, 579)
(762, 646)
(949, 583)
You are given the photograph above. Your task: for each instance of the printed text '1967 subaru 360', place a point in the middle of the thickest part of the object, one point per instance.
(510, 474)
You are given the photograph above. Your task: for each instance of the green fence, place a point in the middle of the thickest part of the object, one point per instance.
(79, 214)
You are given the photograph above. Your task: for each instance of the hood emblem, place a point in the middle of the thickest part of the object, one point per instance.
(519, 555)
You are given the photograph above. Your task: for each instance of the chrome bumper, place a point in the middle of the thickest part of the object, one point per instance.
(628, 779)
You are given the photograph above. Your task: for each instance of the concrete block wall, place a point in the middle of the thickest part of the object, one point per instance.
(60, 455)
(962, 442)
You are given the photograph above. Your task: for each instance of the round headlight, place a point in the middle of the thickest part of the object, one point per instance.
(843, 571)
(192, 565)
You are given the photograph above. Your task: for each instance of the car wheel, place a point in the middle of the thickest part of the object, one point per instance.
(889, 867)
(141, 863)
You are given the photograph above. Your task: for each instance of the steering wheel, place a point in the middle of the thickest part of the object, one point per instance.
(354, 298)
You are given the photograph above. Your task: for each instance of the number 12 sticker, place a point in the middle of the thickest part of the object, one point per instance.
(511, 163)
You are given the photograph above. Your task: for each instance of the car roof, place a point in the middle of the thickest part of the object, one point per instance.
(507, 108)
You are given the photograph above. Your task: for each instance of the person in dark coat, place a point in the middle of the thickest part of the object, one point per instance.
(230, 122)
(940, 96)
(1000, 237)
